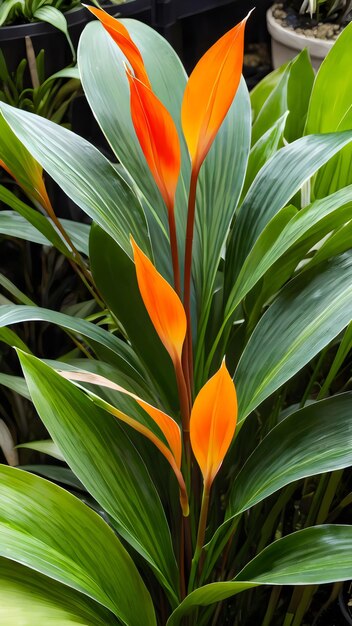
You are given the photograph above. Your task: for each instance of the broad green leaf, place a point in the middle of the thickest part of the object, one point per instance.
(103, 458)
(28, 598)
(106, 87)
(128, 363)
(7, 7)
(262, 91)
(313, 440)
(47, 529)
(124, 300)
(261, 152)
(274, 186)
(317, 555)
(273, 108)
(84, 174)
(16, 293)
(299, 88)
(288, 242)
(14, 225)
(45, 446)
(11, 339)
(308, 313)
(220, 183)
(330, 110)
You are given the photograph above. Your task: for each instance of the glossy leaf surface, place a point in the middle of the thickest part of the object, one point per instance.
(309, 312)
(103, 458)
(34, 533)
(315, 555)
(31, 599)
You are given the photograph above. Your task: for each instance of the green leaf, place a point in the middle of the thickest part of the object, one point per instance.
(103, 458)
(123, 355)
(35, 534)
(107, 261)
(291, 166)
(273, 108)
(56, 473)
(310, 441)
(31, 599)
(261, 152)
(46, 446)
(262, 91)
(330, 110)
(56, 18)
(309, 312)
(299, 88)
(317, 555)
(287, 238)
(220, 182)
(84, 174)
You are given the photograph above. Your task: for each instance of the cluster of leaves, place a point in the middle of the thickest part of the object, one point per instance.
(330, 10)
(271, 289)
(49, 97)
(21, 11)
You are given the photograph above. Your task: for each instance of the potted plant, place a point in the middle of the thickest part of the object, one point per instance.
(148, 418)
(313, 24)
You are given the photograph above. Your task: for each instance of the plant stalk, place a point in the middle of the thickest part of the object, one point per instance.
(188, 267)
(200, 536)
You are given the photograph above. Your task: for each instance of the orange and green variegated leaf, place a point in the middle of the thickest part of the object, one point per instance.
(164, 307)
(121, 36)
(213, 423)
(210, 91)
(167, 425)
(158, 138)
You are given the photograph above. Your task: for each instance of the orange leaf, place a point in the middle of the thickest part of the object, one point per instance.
(121, 36)
(213, 423)
(158, 138)
(163, 305)
(210, 91)
(167, 425)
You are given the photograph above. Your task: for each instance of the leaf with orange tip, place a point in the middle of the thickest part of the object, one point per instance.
(164, 307)
(121, 36)
(167, 425)
(158, 138)
(213, 423)
(210, 91)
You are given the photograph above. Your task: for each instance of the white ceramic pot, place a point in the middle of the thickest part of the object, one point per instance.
(286, 44)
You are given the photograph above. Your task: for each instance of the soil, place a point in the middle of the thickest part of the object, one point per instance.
(302, 24)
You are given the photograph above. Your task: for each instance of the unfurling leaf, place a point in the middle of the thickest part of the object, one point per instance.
(158, 138)
(121, 36)
(213, 423)
(164, 307)
(210, 91)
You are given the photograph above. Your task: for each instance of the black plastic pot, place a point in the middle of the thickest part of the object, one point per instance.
(345, 599)
(43, 36)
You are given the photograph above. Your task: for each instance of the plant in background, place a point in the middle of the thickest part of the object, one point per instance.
(223, 271)
(327, 9)
(49, 97)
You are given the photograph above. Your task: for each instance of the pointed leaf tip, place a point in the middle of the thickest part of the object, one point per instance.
(122, 38)
(164, 307)
(157, 136)
(210, 91)
(213, 423)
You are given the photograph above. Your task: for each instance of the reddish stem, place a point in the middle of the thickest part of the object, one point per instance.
(174, 249)
(188, 268)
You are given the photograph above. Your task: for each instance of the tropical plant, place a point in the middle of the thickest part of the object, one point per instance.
(49, 97)
(212, 264)
(329, 9)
